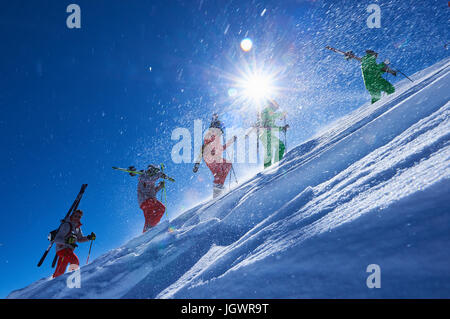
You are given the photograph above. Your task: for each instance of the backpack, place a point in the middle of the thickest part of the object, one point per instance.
(52, 234)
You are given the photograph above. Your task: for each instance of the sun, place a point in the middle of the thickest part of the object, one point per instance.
(251, 80)
(258, 86)
(251, 87)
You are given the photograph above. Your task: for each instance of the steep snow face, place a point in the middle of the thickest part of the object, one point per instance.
(373, 188)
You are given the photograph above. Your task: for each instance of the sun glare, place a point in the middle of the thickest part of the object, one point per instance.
(246, 44)
(258, 87)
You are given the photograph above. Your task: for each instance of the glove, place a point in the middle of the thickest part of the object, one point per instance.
(348, 55)
(91, 236)
(132, 168)
(72, 241)
(161, 184)
(196, 166)
(387, 69)
(284, 128)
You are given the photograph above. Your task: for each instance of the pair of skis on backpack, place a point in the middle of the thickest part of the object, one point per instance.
(51, 237)
(151, 171)
(52, 234)
(350, 55)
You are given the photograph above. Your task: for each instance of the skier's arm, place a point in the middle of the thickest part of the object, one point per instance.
(385, 68)
(210, 139)
(198, 160)
(80, 237)
(231, 141)
(279, 115)
(275, 116)
(200, 155)
(160, 186)
(206, 142)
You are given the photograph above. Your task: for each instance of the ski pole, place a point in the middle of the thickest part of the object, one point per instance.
(228, 158)
(234, 173)
(258, 125)
(403, 74)
(162, 171)
(164, 193)
(90, 247)
(285, 139)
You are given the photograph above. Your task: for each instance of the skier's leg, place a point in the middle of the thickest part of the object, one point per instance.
(153, 211)
(73, 261)
(146, 213)
(213, 167)
(387, 87)
(278, 145)
(217, 190)
(266, 140)
(62, 262)
(217, 187)
(146, 209)
(281, 149)
(60, 267)
(220, 172)
(158, 212)
(376, 95)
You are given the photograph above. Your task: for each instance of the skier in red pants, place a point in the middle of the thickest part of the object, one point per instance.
(212, 153)
(152, 208)
(68, 235)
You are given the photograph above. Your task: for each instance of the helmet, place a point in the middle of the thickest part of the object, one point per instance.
(371, 52)
(216, 123)
(78, 211)
(272, 103)
(152, 169)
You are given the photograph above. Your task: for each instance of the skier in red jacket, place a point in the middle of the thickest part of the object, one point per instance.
(66, 241)
(212, 153)
(153, 209)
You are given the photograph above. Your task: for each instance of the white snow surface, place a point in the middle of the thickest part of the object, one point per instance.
(372, 188)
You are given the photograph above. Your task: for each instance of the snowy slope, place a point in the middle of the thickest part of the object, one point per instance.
(373, 188)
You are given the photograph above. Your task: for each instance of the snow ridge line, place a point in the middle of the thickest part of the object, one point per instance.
(382, 110)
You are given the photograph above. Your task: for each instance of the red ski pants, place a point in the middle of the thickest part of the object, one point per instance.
(220, 171)
(153, 211)
(65, 256)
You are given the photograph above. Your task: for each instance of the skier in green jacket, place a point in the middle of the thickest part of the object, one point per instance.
(267, 128)
(372, 72)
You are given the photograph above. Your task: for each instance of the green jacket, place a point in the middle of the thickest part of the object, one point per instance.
(269, 116)
(371, 71)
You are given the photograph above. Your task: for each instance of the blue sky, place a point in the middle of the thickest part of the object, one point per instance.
(75, 102)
